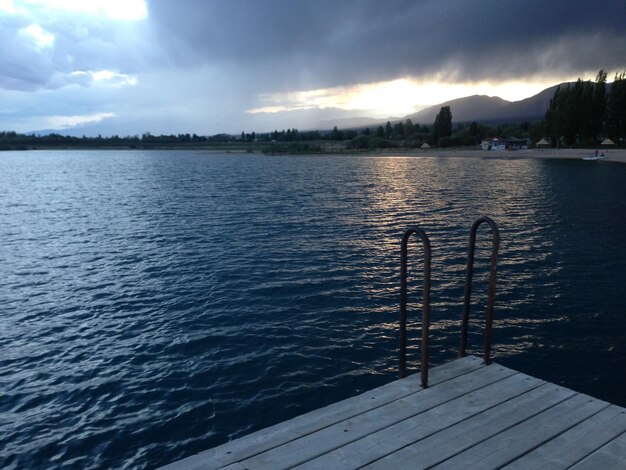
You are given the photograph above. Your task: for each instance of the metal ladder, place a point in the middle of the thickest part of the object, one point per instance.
(425, 302)
(495, 245)
(426, 294)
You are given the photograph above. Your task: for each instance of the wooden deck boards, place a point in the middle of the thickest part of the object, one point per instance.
(470, 416)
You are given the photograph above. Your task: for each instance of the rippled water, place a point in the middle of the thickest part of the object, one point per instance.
(154, 304)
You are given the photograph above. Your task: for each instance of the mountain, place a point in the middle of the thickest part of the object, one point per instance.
(480, 108)
(533, 108)
(471, 108)
(489, 109)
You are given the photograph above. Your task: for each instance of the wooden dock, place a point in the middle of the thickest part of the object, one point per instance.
(471, 416)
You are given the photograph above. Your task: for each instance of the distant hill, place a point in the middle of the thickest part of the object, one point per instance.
(490, 109)
(471, 108)
(480, 108)
(531, 109)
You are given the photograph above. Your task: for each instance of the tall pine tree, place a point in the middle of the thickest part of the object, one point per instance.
(442, 126)
(616, 108)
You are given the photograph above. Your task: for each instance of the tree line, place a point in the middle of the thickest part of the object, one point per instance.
(10, 140)
(580, 113)
(402, 134)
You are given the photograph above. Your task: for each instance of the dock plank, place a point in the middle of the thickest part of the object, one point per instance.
(508, 445)
(471, 416)
(452, 440)
(388, 440)
(274, 436)
(611, 456)
(577, 443)
(313, 445)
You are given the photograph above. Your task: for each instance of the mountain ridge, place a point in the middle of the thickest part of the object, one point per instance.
(483, 109)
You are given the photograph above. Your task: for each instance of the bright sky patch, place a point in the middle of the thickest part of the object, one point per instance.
(39, 36)
(107, 77)
(112, 9)
(395, 98)
(67, 122)
(7, 6)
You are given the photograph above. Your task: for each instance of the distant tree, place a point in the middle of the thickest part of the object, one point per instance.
(599, 103)
(473, 129)
(378, 142)
(336, 134)
(563, 115)
(576, 114)
(360, 142)
(586, 123)
(446, 122)
(398, 130)
(551, 119)
(380, 132)
(311, 135)
(388, 130)
(616, 107)
(442, 126)
(409, 128)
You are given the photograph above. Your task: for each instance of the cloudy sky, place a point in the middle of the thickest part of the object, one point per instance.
(206, 66)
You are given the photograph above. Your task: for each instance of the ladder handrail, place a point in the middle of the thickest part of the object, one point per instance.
(492, 286)
(425, 302)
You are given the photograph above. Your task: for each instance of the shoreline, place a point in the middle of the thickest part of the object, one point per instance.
(611, 155)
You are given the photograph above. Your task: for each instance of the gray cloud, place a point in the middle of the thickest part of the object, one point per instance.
(326, 43)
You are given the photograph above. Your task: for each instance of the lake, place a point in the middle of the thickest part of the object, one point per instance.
(157, 303)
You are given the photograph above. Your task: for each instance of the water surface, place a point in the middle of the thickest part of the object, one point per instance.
(154, 304)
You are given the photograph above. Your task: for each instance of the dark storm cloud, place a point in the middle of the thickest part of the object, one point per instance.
(326, 42)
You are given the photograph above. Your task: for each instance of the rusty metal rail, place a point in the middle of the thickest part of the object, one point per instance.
(495, 245)
(425, 302)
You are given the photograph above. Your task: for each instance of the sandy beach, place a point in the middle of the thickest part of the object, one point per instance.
(612, 155)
